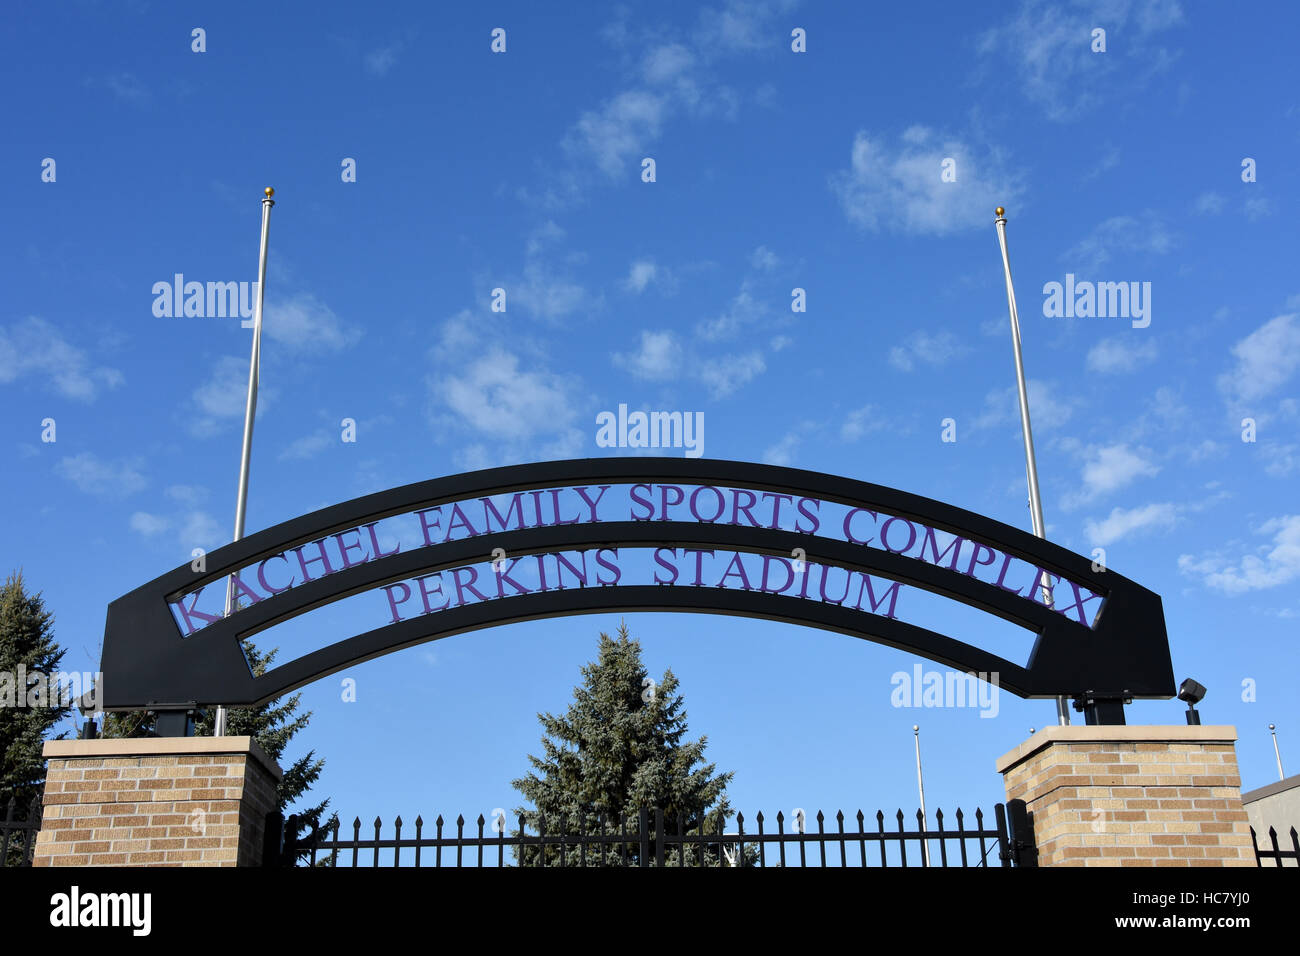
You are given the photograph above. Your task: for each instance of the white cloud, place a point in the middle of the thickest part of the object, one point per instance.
(1121, 354)
(1257, 207)
(745, 309)
(644, 273)
(1272, 565)
(186, 494)
(659, 358)
(1265, 360)
(306, 447)
(36, 347)
(544, 290)
(620, 130)
(1123, 522)
(1109, 468)
(1046, 410)
(782, 453)
(744, 25)
(1050, 47)
(224, 396)
(148, 525)
(764, 259)
(115, 479)
(304, 324)
(198, 529)
(862, 421)
(1209, 204)
(937, 349)
(1119, 235)
(1281, 460)
(380, 61)
(498, 399)
(727, 373)
(900, 188)
(667, 63)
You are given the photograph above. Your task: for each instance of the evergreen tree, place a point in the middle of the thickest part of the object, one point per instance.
(620, 747)
(272, 725)
(26, 641)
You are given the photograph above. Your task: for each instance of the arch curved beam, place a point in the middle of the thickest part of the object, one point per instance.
(148, 665)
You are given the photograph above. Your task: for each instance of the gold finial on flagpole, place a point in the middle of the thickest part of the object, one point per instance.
(1000, 212)
(269, 192)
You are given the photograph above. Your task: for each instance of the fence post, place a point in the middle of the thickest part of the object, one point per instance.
(659, 837)
(1024, 850)
(644, 822)
(273, 840)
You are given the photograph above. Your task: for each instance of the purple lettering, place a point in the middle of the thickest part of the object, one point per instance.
(789, 574)
(1006, 563)
(463, 586)
(884, 535)
(490, 512)
(503, 576)
(722, 504)
(665, 504)
(188, 614)
(739, 565)
(891, 593)
(738, 509)
(374, 542)
(324, 559)
(458, 519)
(1080, 601)
(776, 507)
(643, 502)
(699, 563)
(848, 525)
(425, 592)
(810, 515)
(665, 565)
(555, 509)
(345, 547)
(582, 493)
(618, 573)
(425, 525)
(955, 548)
(392, 605)
(261, 575)
(975, 557)
(561, 562)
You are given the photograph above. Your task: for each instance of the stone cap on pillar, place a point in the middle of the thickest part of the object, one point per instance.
(1117, 733)
(161, 747)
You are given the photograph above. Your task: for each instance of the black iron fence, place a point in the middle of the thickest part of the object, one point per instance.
(18, 829)
(649, 838)
(1276, 854)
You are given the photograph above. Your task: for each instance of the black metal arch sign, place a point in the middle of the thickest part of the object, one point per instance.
(634, 534)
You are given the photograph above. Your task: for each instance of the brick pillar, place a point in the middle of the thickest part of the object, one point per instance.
(158, 801)
(1132, 796)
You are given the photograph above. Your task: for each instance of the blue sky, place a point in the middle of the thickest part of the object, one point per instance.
(774, 170)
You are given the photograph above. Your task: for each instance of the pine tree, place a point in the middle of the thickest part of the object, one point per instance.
(620, 747)
(273, 724)
(26, 640)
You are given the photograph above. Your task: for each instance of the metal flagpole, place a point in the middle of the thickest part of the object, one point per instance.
(1031, 466)
(254, 372)
(1277, 753)
(920, 786)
